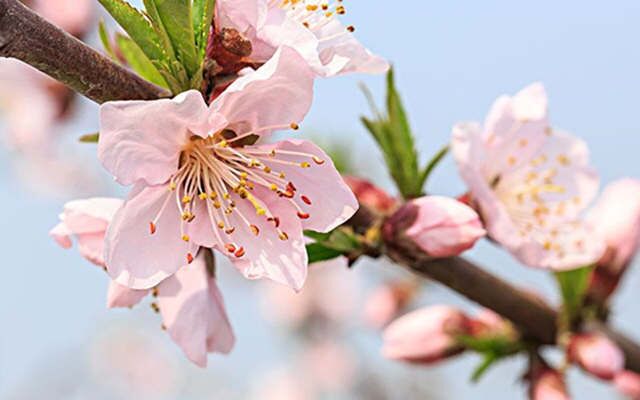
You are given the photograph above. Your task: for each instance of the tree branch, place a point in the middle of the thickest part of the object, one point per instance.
(26, 36)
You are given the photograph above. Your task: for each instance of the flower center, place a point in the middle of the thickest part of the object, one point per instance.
(314, 14)
(219, 172)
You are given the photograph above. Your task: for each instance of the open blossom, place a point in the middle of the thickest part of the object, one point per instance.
(202, 181)
(426, 336)
(596, 354)
(311, 27)
(529, 182)
(616, 216)
(190, 302)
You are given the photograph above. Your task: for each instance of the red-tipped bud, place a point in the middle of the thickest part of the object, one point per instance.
(370, 195)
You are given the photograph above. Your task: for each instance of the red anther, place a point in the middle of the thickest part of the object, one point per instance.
(240, 252)
(291, 187)
(191, 218)
(305, 199)
(275, 220)
(302, 215)
(255, 229)
(152, 228)
(189, 258)
(318, 160)
(288, 194)
(230, 231)
(230, 247)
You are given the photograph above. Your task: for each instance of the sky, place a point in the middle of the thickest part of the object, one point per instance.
(452, 59)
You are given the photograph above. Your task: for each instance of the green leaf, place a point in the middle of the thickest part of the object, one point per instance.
(89, 138)
(138, 27)
(106, 42)
(439, 156)
(174, 17)
(139, 62)
(318, 252)
(202, 19)
(573, 286)
(487, 362)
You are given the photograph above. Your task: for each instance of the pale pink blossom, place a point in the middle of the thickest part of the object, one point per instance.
(386, 301)
(189, 301)
(74, 16)
(426, 335)
(371, 195)
(529, 182)
(198, 181)
(616, 216)
(596, 354)
(444, 227)
(547, 384)
(628, 383)
(311, 27)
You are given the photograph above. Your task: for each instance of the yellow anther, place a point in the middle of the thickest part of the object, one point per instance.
(273, 187)
(244, 175)
(185, 238)
(223, 143)
(267, 170)
(282, 175)
(213, 196)
(217, 204)
(511, 161)
(294, 126)
(186, 199)
(305, 164)
(203, 196)
(563, 160)
(283, 236)
(221, 225)
(227, 196)
(172, 186)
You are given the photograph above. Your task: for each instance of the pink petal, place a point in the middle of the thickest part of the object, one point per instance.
(194, 314)
(332, 201)
(142, 140)
(122, 296)
(267, 255)
(62, 235)
(136, 258)
(276, 95)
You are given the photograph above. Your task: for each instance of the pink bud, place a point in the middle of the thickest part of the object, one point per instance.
(547, 384)
(596, 354)
(444, 227)
(487, 323)
(371, 195)
(426, 335)
(628, 383)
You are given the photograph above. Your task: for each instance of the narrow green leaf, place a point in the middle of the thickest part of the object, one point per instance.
(139, 62)
(317, 236)
(202, 19)
(176, 19)
(487, 362)
(138, 27)
(106, 42)
(318, 252)
(89, 138)
(573, 286)
(433, 163)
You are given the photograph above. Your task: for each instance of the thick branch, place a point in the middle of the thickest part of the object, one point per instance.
(26, 36)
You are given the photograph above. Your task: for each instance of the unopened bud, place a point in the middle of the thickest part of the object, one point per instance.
(596, 354)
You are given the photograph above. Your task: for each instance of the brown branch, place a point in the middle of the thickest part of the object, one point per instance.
(26, 36)
(532, 315)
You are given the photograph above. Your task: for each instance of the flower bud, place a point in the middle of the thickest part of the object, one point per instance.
(371, 195)
(628, 383)
(547, 384)
(426, 335)
(596, 354)
(443, 227)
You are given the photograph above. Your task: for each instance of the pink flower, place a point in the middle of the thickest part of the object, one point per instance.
(371, 195)
(596, 354)
(311, 27)
(547, 384)
(386, 301)
(529, 182)
(425, 336)
(200, 180)
(189, 301)
(444, 227)
(616, 216)
(628, 383)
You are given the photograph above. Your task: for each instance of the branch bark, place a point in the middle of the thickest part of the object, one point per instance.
(28, 37)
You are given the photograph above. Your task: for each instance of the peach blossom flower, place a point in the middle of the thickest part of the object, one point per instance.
(189, 301)
(311, 27)
(426, 335)
(529, 182)
(199, 181)
(596, 354)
